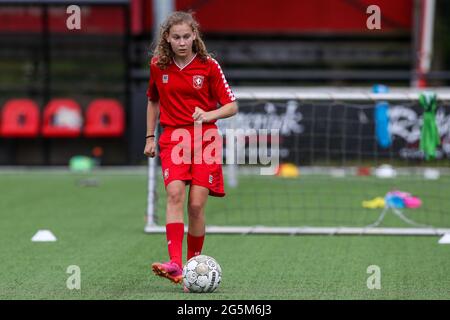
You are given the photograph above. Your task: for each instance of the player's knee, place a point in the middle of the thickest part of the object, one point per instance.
(175, 196)
(195, 210)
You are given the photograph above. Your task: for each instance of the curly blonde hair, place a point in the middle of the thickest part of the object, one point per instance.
(163, 49)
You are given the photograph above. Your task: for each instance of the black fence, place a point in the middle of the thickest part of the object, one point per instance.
(341, 133)
(45, 64)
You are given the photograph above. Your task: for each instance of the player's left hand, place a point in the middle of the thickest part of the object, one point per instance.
(201, 115)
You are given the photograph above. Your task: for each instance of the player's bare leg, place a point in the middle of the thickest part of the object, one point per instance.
(198, 196)
(176, 194)
(172, 270)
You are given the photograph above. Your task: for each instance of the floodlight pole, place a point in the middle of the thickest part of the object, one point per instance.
(424, 24)
(161, 9)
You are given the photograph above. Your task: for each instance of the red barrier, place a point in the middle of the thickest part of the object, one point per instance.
(104, 118)
(20, 119)
(62, 119)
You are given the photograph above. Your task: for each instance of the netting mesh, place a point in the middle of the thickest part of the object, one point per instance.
(336, 166)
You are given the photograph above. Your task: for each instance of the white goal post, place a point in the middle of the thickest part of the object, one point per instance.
(315, 154)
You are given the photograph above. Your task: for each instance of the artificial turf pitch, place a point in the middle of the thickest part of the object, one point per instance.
(100, 229)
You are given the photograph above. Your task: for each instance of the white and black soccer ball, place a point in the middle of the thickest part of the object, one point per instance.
(202, 274)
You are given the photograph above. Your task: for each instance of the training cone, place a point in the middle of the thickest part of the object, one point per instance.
(288, 170)
(43, 236)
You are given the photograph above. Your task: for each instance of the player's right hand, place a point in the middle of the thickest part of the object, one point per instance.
(150, 148)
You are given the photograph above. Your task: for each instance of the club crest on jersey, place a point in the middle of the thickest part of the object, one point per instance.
(198, 81)
(165, 78)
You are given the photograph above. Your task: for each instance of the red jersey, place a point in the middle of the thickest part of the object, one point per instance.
(180, 90)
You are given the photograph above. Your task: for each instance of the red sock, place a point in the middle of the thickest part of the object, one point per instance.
(174, 235)
(194, 245)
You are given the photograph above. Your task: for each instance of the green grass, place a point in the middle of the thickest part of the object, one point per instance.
(100, 229)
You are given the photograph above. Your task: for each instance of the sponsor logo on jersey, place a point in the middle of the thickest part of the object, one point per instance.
(165, 78)
(198, 81)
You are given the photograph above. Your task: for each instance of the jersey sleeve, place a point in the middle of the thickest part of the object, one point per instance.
(220, 89)
(152, 90)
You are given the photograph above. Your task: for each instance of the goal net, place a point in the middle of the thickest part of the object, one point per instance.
(328, 161)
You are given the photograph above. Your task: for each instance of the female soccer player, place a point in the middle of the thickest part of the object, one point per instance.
(186, 87)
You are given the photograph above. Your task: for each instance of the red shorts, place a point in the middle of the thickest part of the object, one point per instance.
(193, 155)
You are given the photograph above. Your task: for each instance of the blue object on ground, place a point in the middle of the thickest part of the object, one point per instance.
(395, 201)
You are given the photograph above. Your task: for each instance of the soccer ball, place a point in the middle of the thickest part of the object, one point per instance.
(202, 274)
